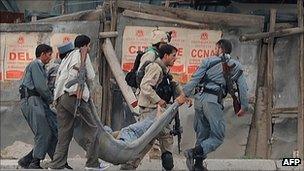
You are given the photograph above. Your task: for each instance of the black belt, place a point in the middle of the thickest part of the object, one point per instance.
(30, 93)
(209, 91)
(219, 94)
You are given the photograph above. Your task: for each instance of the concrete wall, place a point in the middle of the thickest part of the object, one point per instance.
(286, 72)
(13, 124)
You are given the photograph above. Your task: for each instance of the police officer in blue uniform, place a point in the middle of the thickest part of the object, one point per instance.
(35, 100)
(211, 88)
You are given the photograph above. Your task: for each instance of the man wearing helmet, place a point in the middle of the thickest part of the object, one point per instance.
(154, 53)
(159, 38)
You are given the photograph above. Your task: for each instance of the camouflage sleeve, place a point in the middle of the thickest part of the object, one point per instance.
(148, 56)
(149, 81)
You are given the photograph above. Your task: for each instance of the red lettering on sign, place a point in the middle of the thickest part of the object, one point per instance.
(180, 51)
(204, 36)
(21, 56)
(12, 56)
(134, 49)
(213, 53)
(202, 53)
(193, 53)
(139, 33)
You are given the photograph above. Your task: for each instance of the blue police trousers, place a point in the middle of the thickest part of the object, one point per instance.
(209, 125)
(43, 123)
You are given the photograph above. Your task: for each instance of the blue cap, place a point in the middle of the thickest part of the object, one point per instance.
(65, 47)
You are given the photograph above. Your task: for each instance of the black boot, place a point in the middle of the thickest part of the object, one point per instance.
(193, 154)
(67, 166)
(198, 164)
(25, 161)
(35, 164)
(167, 160)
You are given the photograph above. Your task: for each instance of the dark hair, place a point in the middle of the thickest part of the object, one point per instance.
(81, 41)
(42, 48)
(166, 49)
(61, 56)
(226, 45)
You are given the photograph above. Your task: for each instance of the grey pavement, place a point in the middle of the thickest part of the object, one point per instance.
(179, 164)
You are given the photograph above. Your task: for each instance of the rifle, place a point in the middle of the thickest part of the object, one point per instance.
(232, 89)
(165, 90)
(81, 78)
(177, 129)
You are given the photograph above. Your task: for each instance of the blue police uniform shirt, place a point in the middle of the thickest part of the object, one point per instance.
(216, 78)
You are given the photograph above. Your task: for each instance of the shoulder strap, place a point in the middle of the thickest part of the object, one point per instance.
(212, 64)
(143, 67)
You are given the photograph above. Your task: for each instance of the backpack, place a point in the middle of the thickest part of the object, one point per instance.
(165, 89)
(131, 76)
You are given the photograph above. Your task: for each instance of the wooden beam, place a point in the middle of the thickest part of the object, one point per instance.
(270, 79)
(26, 27)
(286, 110)
(285, 115)
(281, 26)
(278, 33)
(261, 123)
(226, 19)
(257, 126)
(100, 70)
(145, 16)
(106, 107)
(119, 74)
(114, 16)
(301, 82)
(109, 34)
(88, 15)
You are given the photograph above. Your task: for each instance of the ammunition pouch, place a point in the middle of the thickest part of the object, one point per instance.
(26, 93)
(165, 89)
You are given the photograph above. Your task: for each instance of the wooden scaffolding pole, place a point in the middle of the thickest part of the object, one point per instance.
(88, 15)
(265, 101)
(119, 75)
(270, 79)
(278, 33)
(237, 20)
(253, 148)
(106, 106)
(145, 16)
(301, 83)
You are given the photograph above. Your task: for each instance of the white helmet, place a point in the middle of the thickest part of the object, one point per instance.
(159, 36)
